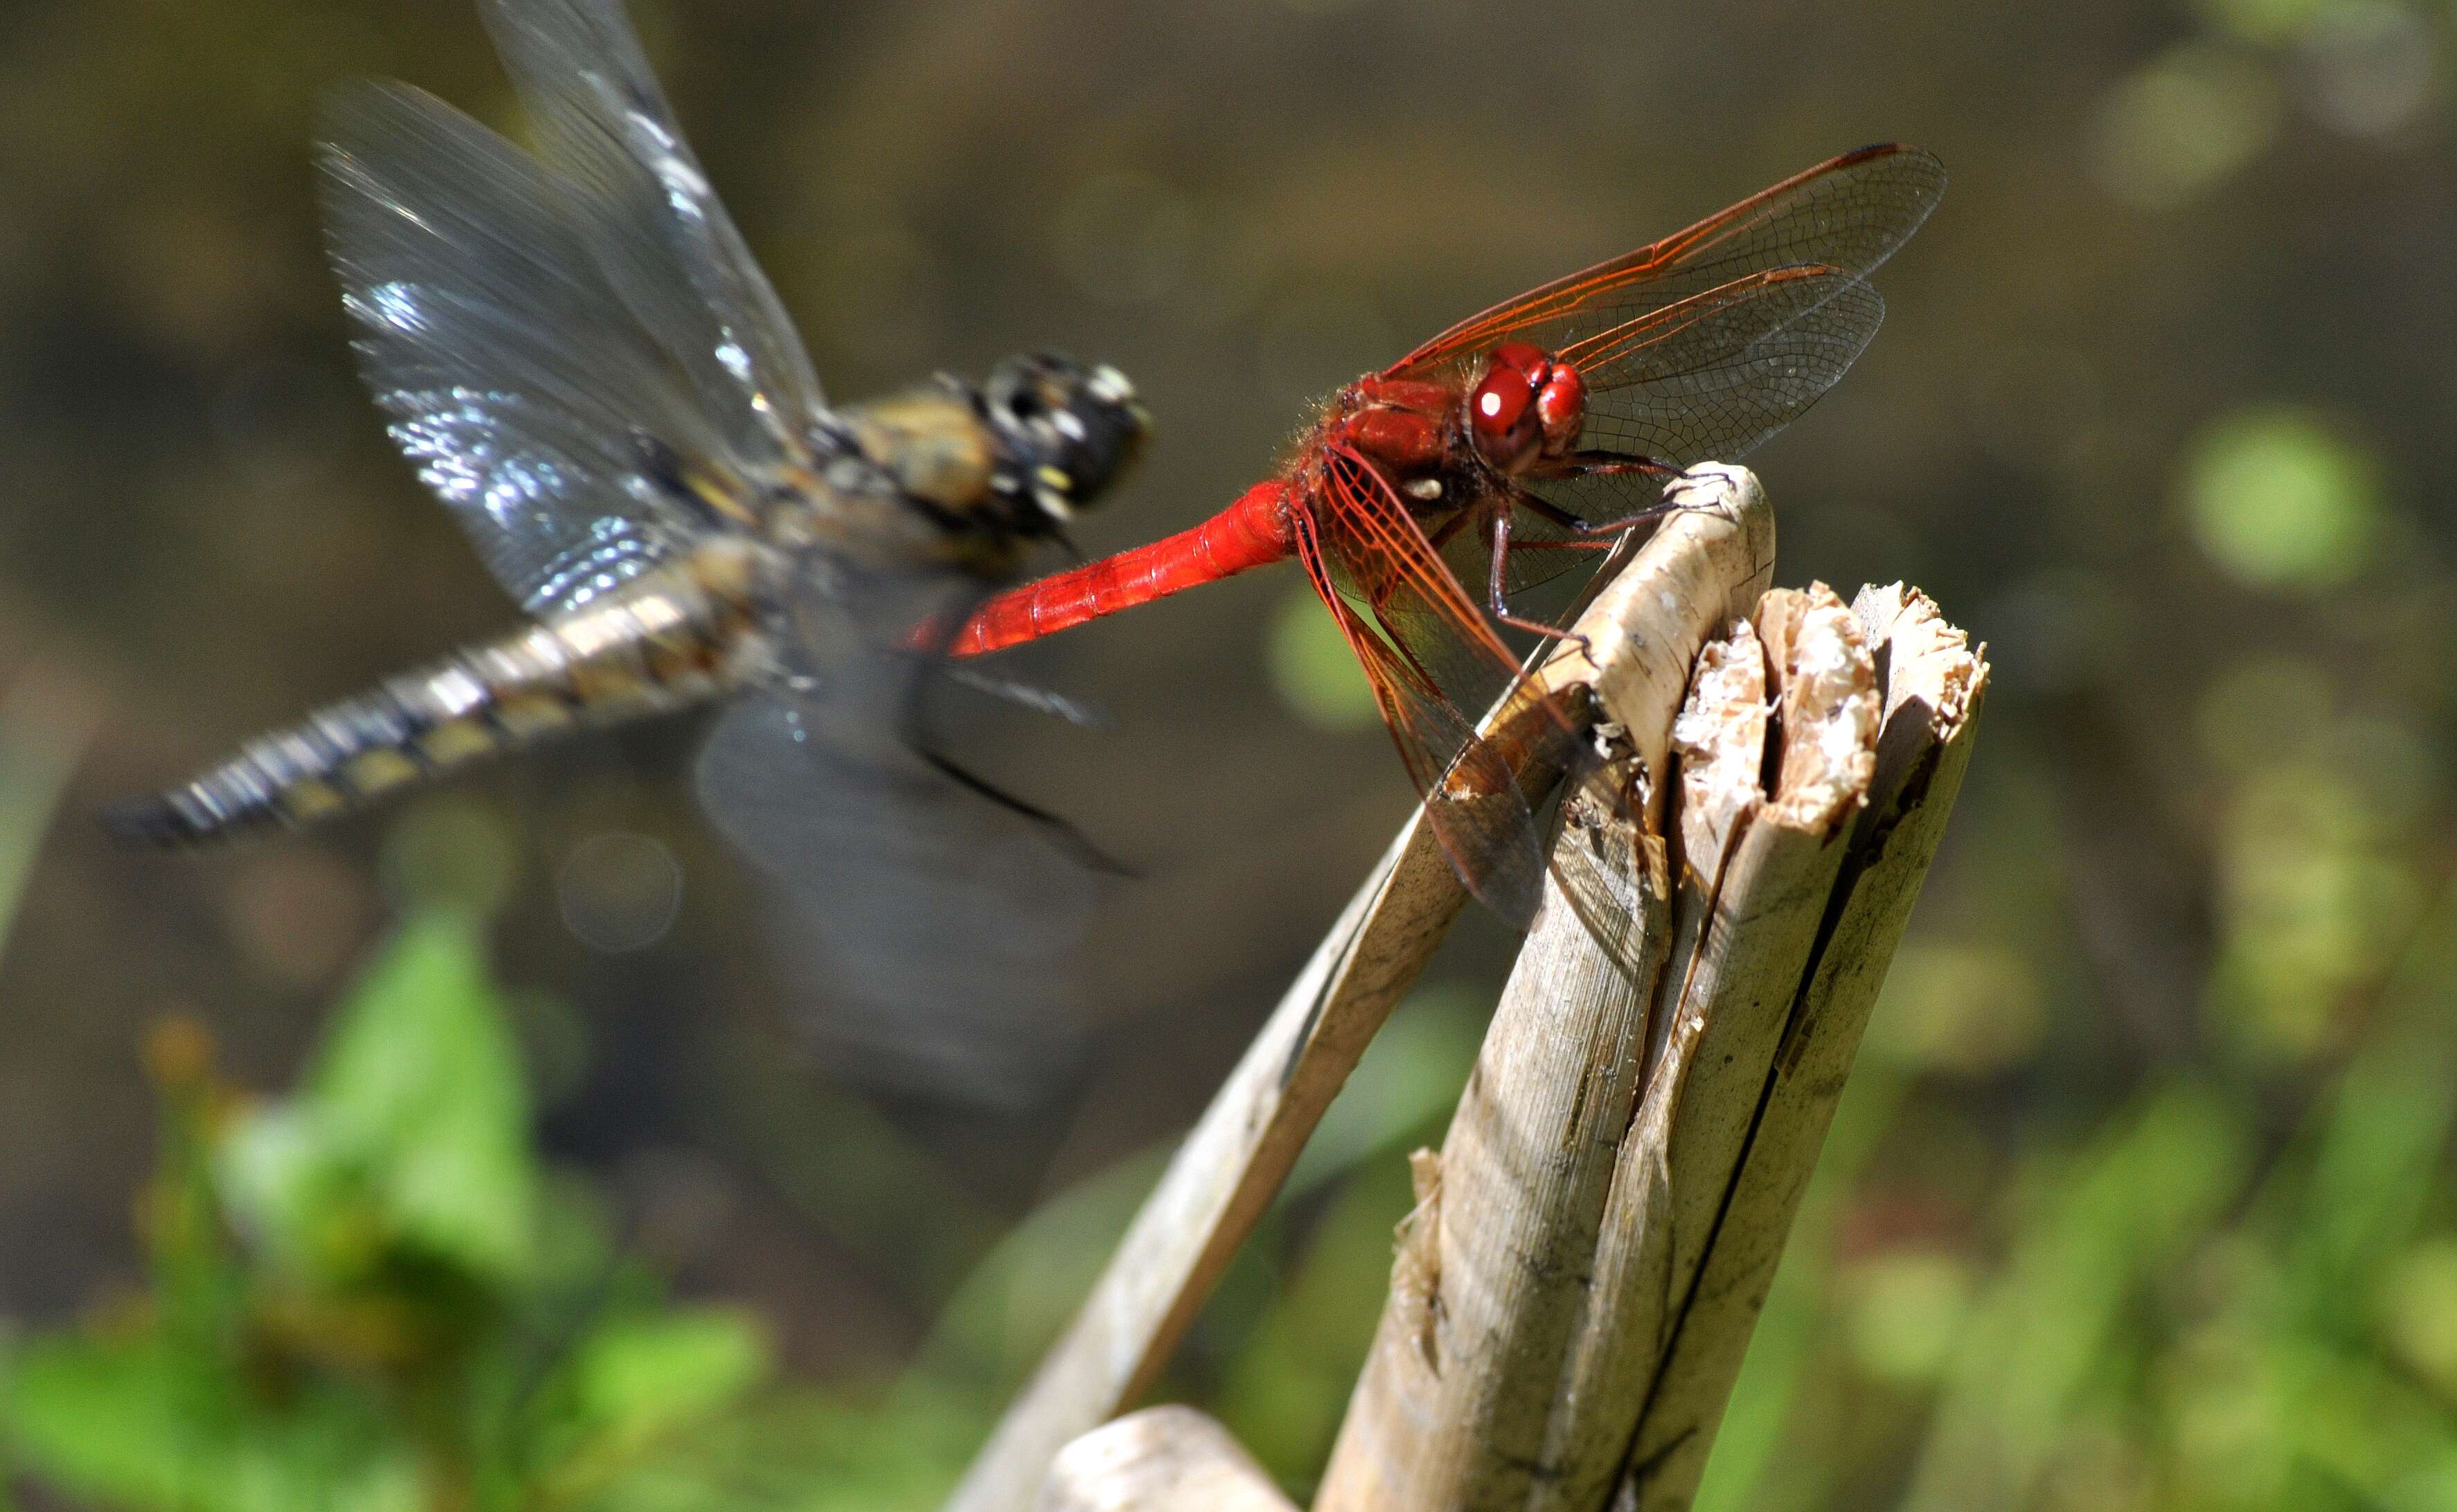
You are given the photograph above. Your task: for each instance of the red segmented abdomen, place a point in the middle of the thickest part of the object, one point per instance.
(1250, 533)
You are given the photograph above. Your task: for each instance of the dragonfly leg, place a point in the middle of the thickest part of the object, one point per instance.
(1497, 598)
(1060, 827)
(1546, 509)
(1039, 700)
(923, 742)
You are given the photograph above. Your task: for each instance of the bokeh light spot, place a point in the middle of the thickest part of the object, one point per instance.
(1967, 1010)
(2257, 710)
(2184, 124)
(1313, 669)
(2370, 67)
(2313, 897)
(1906, 1313)
(2279, 499)
(619, 892)
(2262, 20)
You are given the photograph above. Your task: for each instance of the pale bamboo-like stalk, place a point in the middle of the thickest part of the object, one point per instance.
(1699, 568)
(1766, 889)
(1160, 1459)
(1935, 687)
(1584, 1172)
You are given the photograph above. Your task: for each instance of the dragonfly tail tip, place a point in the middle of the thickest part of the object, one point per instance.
(150, 821)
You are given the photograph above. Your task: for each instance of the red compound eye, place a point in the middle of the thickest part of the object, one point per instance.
(1561, 409)
(1498, 406)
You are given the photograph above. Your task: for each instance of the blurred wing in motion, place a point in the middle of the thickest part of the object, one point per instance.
(934, 937)
(659, 233)
(513, 376)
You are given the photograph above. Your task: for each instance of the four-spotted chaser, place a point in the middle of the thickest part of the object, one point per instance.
(586, 365)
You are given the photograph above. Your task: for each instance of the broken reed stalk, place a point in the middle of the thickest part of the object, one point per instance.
(1699, 568)
(1160, 1459)
(1573, 1295)
(1934, 685)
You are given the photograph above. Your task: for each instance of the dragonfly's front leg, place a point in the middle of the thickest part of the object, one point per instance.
(1599, 464)
(1496, 591)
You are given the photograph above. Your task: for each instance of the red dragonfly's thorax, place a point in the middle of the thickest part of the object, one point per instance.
(1409, 430)
(1525, 407)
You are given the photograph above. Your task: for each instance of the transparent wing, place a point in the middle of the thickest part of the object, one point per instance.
(1846, 215)
(932, 937)
(1710, 378)
(1701, 346)
(510, 373)
(935, 932)
(1435, 666)
(658, 230)
(1705, 380)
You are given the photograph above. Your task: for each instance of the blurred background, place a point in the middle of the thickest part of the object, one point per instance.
(2140, 1196)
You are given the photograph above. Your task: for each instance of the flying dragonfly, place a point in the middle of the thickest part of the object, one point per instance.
(582, 360)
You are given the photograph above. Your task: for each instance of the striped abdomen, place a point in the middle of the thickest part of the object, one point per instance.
(1249, 533)
(668, 640)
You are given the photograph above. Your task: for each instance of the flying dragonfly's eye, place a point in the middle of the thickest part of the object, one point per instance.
(1068, 429)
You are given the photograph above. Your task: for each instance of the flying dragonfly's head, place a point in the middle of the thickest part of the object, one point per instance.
(1067, 432)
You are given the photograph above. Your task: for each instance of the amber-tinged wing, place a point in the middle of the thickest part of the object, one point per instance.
(1701, 346)
(1435, 666)
(1847, 214)
(513, 376)
(1705, 380)
(658, 230)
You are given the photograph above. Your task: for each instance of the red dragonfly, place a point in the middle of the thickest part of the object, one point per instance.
(1517, 444)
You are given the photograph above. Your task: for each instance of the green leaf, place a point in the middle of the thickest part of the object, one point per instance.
(640, 1375)
(413, 1130)
(112, 1420)
(2372, 1189)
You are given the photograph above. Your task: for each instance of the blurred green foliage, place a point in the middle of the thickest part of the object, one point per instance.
(2196, 1305)
(1313, 670)
(369, 1294)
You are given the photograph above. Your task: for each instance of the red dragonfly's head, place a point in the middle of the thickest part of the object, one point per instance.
(1527, 405)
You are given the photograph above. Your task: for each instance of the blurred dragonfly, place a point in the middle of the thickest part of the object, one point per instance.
(586, 366)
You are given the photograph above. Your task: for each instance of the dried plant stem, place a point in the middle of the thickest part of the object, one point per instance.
(1645, 627)
(1571, 1217)
(1160, 1459)
(1570, 1304)
(1220, 1181)
(1935, 687)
